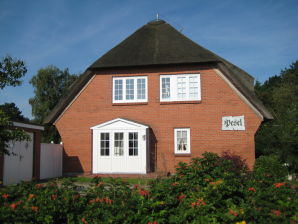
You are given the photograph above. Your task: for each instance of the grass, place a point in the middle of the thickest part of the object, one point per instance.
(139, 181)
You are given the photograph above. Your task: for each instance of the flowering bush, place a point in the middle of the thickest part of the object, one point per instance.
(211, 189)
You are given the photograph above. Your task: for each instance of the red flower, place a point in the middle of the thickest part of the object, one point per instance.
(39, 186)
(19, 202)
(276, 212)
(54, 196)
(5, 196)
(181, 196)
(277, 185)
(100, 183)
(152, 222)
(143, 192)
(216, 182)
(135, 186)
(174, 184)
(108, 201)
(34, 208)
(13, 206)
(84, 221)
(252, 189)
(233, 213)
(31, 196)
(200, 202)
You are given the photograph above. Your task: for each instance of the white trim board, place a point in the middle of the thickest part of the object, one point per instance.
(239, 93)
(30, 126)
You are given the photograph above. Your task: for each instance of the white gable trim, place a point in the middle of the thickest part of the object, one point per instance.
(239, 93)
(66, 108)
(121, 120)
(30, 126)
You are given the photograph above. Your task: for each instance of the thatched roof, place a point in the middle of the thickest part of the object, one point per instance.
(159, 44)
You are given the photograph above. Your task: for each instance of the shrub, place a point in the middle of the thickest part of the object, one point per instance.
(210, 189)
(269, 168)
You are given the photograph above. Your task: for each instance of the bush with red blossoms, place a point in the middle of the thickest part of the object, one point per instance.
(211, 189)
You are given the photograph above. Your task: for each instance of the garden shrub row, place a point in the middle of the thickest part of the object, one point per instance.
(211, 189)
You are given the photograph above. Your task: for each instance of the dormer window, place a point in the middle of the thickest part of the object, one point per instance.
(130, 89)
(182, 87)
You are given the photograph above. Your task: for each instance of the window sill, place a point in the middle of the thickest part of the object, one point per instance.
(182, 154)
(180, 102)
(130, 104)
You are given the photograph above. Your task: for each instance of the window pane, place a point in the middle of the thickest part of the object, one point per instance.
(182, 141)
(133, 143)
(141, 88)
(165, 88)
(104, 144)
(193, 87)
(118, 144)
(181, 87)
(130, 89)
(118, 89)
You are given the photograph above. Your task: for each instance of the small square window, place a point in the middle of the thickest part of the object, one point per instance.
(182, 140)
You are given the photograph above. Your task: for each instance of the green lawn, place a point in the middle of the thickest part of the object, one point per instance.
(139, 181)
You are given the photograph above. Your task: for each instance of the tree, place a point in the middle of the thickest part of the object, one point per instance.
(13, 112)
(11, 70)
(280, 136)
(50, 84)
(9, 133)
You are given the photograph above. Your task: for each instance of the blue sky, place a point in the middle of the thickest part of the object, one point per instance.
(258, 36)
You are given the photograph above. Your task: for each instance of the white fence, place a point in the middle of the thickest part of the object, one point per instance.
(19, 165)
(50, 160)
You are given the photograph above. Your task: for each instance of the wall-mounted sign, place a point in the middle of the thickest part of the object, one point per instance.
(233, 123)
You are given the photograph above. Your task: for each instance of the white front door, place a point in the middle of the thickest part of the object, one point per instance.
(120, 146)
(19, 165)
(120, 152)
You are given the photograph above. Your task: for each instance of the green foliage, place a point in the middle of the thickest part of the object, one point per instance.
(13, 112)
(270, 167)
(208, 190)
(9, 133)
(50, 84)
(11, 70)
(10, 73)
(280, 136)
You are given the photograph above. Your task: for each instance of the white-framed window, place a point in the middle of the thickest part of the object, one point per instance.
(104, 144)
(180, 87)
(118, 144)
(133, 144)
(130, 89)
(182, 140)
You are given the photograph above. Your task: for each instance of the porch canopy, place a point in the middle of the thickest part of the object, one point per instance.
(120, 146)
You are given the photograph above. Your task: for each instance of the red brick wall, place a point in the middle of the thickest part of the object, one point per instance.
(94, 106)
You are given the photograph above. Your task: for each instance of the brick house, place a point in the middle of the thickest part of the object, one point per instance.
(156, 99)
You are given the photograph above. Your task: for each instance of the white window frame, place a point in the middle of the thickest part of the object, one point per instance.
(135, 100)
(188, 150)
(174, 87)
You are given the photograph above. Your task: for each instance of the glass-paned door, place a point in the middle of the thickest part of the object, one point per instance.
(118, 144)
